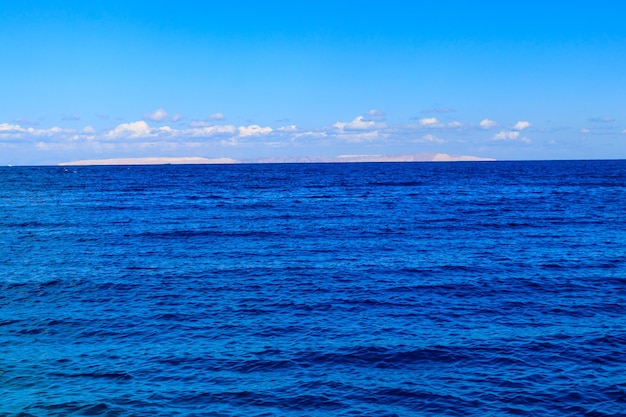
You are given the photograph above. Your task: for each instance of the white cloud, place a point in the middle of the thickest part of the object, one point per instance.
(373, 121)
(210, 131)
(585, 130)
(487, 124)
(455, 124)
(430, 122)
(5, 127)
(131, 130)
(46, 146)
(216, 116)
(290, 128)
(177, 117)
(432, 139)
(167, 129)
(232, 141)
(360, 129)
(506, 135)
(360, 137)
(157, 116)
(199, 123)
(357, 124)
(253, 130)
(310, 134)
(521, 125)
(375, 115)
(53, 131)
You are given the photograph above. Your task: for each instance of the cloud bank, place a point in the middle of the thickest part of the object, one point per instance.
(369, 133)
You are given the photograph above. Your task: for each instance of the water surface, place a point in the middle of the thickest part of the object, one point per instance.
(421, 289)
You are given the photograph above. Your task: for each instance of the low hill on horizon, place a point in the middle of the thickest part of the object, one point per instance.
(418, 157)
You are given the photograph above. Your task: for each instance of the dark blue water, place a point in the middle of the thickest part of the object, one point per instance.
(418, 289)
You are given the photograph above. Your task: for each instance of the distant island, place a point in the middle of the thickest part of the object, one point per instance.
(151, 161)
(418, 157)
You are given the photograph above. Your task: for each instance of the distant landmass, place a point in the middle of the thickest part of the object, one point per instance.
(151, 161)
(418, 157)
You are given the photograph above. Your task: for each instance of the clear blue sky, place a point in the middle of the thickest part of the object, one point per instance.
(247, 79)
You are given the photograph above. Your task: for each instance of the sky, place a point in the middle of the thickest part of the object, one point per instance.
(258, 79)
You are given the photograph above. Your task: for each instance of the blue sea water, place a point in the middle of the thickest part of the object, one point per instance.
(408, 289)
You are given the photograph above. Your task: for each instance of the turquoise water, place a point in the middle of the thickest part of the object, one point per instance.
(473, 289)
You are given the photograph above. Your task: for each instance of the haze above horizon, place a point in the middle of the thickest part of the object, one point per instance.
(254, 80)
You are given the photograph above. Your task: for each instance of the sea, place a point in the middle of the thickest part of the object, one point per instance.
(355, 289)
